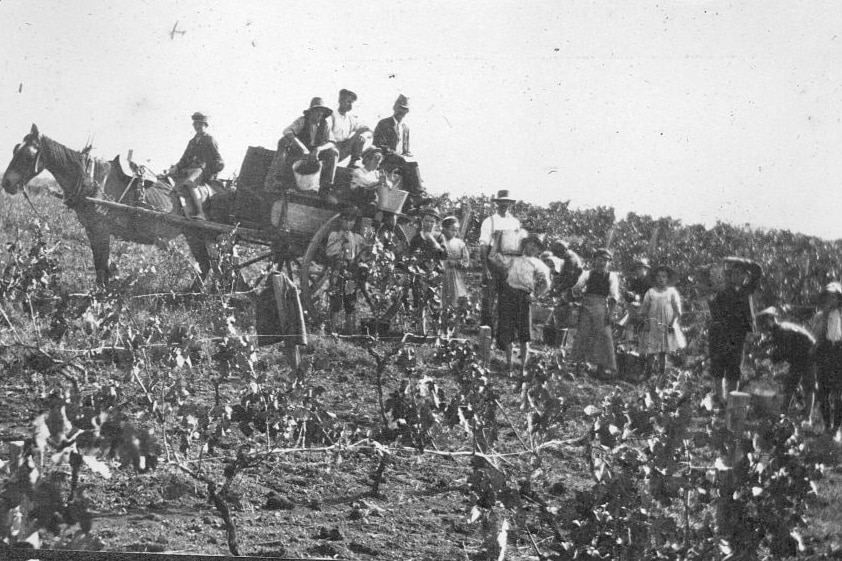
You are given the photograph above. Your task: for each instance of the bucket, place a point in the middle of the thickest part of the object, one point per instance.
(766, 399)
(390, 200)
(307, 173)
(737, 410)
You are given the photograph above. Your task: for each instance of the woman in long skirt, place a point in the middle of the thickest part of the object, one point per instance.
(600, 291)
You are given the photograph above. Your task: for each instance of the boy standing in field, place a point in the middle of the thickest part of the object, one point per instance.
(344, 248)
(525, 277)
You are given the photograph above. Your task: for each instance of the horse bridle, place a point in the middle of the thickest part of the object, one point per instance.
(37, 167)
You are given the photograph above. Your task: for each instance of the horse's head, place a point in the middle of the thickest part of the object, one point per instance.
(26, 162)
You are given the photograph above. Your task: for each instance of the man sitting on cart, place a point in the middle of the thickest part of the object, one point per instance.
(199, 164)
(308, 136)
(391, 135)
(350, 137)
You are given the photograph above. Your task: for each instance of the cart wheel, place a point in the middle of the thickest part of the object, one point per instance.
(316, 274)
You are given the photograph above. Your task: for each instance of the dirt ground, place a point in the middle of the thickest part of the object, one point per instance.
(308, 504)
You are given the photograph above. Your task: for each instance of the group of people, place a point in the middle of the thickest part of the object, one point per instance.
(324, 137)
(512, 283)
(337, 138)
(430, 247)
(518, 267)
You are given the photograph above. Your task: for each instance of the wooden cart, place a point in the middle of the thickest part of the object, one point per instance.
(293, 228)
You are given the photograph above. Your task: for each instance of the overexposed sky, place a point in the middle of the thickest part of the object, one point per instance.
(702, 111)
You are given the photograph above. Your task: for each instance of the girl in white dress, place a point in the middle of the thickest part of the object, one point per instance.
(457, 261)
(660, 311)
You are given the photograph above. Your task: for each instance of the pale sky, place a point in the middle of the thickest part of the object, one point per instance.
(702, 111)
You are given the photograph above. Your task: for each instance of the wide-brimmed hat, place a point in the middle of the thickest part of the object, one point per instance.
(738, 262)
(347, 93)
(536, 239)
(318, 103)
(199, 116)
(603, 252)
(771, 311)
(503, 195)
(402, 102)
(642, 262)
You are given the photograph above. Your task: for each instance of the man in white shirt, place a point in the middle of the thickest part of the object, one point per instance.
(350, 136)
(502, 220)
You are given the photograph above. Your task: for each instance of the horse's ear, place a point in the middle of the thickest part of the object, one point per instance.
(34, 132)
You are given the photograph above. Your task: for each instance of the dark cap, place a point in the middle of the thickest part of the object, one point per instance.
(347, 93)
(199, 116)
(402, 101)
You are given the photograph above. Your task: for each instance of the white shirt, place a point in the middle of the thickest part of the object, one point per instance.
(344, 126)
(496, 223)
(525, 273)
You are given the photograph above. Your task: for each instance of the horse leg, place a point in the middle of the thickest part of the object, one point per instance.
(101, 248)
(199, 249)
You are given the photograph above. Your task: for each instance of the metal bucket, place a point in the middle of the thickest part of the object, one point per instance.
(390, 200)
(306, 179)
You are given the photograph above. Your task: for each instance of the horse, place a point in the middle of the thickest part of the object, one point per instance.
(81, 177)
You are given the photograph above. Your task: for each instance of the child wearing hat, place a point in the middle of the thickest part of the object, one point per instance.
(660, 333)
(525, 277)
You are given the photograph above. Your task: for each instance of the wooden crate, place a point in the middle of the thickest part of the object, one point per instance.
(254, 169)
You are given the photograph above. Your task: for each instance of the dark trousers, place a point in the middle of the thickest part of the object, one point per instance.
(828, 370)
(726, 356)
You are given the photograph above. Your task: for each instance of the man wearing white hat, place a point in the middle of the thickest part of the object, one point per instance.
(500, 221)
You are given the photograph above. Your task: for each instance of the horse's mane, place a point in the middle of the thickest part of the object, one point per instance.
(64, 157)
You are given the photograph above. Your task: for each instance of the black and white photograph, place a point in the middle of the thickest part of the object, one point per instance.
(483, 281)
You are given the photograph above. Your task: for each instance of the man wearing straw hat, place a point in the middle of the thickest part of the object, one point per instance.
(731, 320)
(308, 136)
(502, 220)
(199, 164)
(793, 344)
